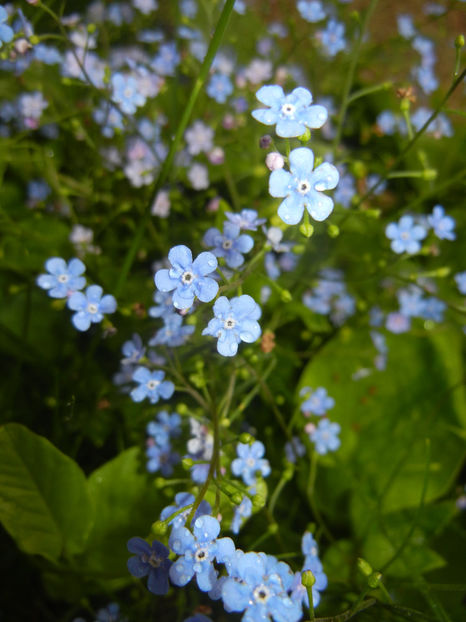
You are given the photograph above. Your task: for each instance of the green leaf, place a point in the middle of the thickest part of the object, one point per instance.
(44, 503)
(126, 503)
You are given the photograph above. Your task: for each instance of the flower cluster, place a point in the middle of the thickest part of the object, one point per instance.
(324, 435)
(159, 452)
(65, 280)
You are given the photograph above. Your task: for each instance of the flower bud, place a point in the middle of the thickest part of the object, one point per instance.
(265, 141)
(364, 567)
(274, 161)
(307, 578)
(187, 463)
(306, 229)
(159, 528)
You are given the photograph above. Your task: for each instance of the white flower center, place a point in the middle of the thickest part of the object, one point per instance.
(92, 308)
(187, 277)
(261, 594)
(152, 384)
(154, 561)
(250, 462)
(227, 244)
(303, 186)
(229, 323)
(63, 278)
(288, 109)
(201, 555)
(128, 92)
(404, 235)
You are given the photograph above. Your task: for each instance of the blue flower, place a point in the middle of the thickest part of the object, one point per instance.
(198, 552)
(166, 60)
(164, 427)
(291, 113)
(187, 277)
(258, 585)
(442, 225)
(63, 279)
(110, 613)
(184, 500)
(234, 321)
(294, 449)
(173, 333)
(126, 93)
(161, 459)
(243, 510)
(460, 279)
(387, 122)
(411, 302)
(219, 88)
(325, 436)
(150, 560)
(333, 37)
(230, 244)
(249, 462)
(164, 305)
(397, 323)
(6, 33)
(198, 617)
(90, 307)
(317, 402)
(405, 235)
(345, 191)
(299, 593)
(309, 546)
(151, 385)
(433, 309)
(311, 10)
(133, 350)
(246, 220)
(303, 187)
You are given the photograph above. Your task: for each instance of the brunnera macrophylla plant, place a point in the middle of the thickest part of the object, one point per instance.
(247, 426)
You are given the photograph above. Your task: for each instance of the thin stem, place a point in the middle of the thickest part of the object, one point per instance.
(350, 75)
(368, 91)
(168, 163)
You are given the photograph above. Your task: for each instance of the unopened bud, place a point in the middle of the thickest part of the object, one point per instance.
(265, 141)
(237, 498)
(285, 296)
(258, 502)
(430, 174)
(273, 528)
(159, 528)
(307, 578)
(246, 438)
(333, 231)
(306, 229)
(187, 463)
(374, 580)
(306, 137)
(274, 161)
(364, 567)
(459, 41)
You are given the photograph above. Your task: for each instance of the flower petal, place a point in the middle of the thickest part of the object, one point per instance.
(270, 95)
(301, 161)
(279, 183)
(318, 205)
(291, 209)
(205, 263)
(325, 177)
(164, 282)
(180, 257)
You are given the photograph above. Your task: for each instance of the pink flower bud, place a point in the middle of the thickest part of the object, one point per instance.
(274, 161)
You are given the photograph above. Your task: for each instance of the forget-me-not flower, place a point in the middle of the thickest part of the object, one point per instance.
(174, 333)
(62, 279)
(126, 93)
(442, 224)
(184, 500)
(198, 552)
(460, 279)
(235, 321)
(405, 235)
(333, 37)
(250, 461)
(311, 10)
(302, 187)
(247, 219)
(151, 385)
(6, 33)
(325, 436)
(187, 277)
(150, 560)
(230, 244)
(291, 113)
(90, 307)
(219, 87)
(317, 402)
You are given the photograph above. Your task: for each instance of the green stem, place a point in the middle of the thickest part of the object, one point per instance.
(368, 91)
(350, 76)
(168, 163)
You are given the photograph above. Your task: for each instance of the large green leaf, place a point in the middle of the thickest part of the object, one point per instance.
(126, 503)
(44, 503)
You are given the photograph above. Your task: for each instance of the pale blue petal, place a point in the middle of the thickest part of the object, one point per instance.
(234, 259)
(318, 205)
(230, 230)
(265, 116)
(206, 579)
(205, 263)
(397, 246)
(314, 117)
(94, 293)
(164, 282)
(391, 231)
(206, 289)
(108, 304)
(166, 389)
(212, 237)
(180, 257)
(270, 95)
(228, 345)
(46, 281)
(213, 327)
(139, 393)
(301, 95)
(418, 232)
(77, 301)
(181, 301)
(225, 549)
(291, 209)
(56, 266)
(76, 267)
(406, 222)
(279, 183)
(288, 128)
(325, 177)
(181, 572)
(243, 306)
(250, 331)
(141, 374)
(301, 161)
(181, 540)
(222, 307)
(81, 320)
(206, 528)
(235, 595)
